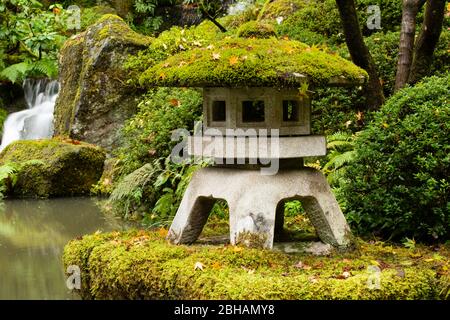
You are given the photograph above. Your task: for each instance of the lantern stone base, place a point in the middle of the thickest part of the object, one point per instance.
(255, 202)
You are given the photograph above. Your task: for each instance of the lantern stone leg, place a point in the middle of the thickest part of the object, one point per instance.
(253, 200)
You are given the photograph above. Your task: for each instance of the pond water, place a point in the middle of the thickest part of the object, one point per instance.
(32, 237)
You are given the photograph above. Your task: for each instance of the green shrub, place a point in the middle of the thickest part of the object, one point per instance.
(441, 58)
(316, 18)
(152, 193)
(321, 17)
(391, 14)
(398, 185)
(30, 37)
(152, 186)
(384, 50)
(147, 135)
(256, 29)
(338, 109)
(144, 16)
(273, 9)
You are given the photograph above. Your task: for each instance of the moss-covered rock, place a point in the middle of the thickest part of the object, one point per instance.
(49, 168)
(95, 99)
(253, 62)
(142, 265)
(255, 29)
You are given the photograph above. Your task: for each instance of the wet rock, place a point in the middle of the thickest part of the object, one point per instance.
(95, 98)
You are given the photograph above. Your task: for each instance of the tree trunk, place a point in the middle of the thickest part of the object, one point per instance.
(408, 31)
(427, 40)
(213, 20)
(360, 53)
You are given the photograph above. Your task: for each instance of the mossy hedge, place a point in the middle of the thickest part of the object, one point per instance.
(142, 265)
(53, 167)
(252, 62)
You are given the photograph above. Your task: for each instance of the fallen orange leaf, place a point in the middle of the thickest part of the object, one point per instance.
(233, 60)
(163, 232)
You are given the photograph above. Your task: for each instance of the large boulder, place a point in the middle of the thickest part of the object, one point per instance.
(95, 99)
(55, 167)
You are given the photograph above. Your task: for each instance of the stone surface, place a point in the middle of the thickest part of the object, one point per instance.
(49, 168)
(273, 109)
(95, 99)
(253, 199)
(255, 148)
(314, 248)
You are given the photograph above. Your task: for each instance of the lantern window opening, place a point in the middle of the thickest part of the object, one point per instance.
(253, 111)
(219, 111)
(291, 110)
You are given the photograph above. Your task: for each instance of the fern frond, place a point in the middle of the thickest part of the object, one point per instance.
(16, 72)
(46, 67)
(7, 170)
(341, 136)
(131, 186)
(341, 144)
(340, 160)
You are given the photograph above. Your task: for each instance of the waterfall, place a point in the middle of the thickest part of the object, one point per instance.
(36, 122)
(239, 6)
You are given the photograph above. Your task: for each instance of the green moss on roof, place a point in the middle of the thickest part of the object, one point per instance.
(252, 62)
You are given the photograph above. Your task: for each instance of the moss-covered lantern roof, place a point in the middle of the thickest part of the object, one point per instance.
(238, 62)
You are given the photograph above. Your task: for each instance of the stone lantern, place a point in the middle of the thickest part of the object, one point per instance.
(255, 115)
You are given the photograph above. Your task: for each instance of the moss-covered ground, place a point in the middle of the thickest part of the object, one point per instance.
(143, 265)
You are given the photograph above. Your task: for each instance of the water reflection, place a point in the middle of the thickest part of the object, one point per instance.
(32, 236)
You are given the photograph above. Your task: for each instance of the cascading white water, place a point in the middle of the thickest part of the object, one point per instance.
(239, 6)
(36, 122)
